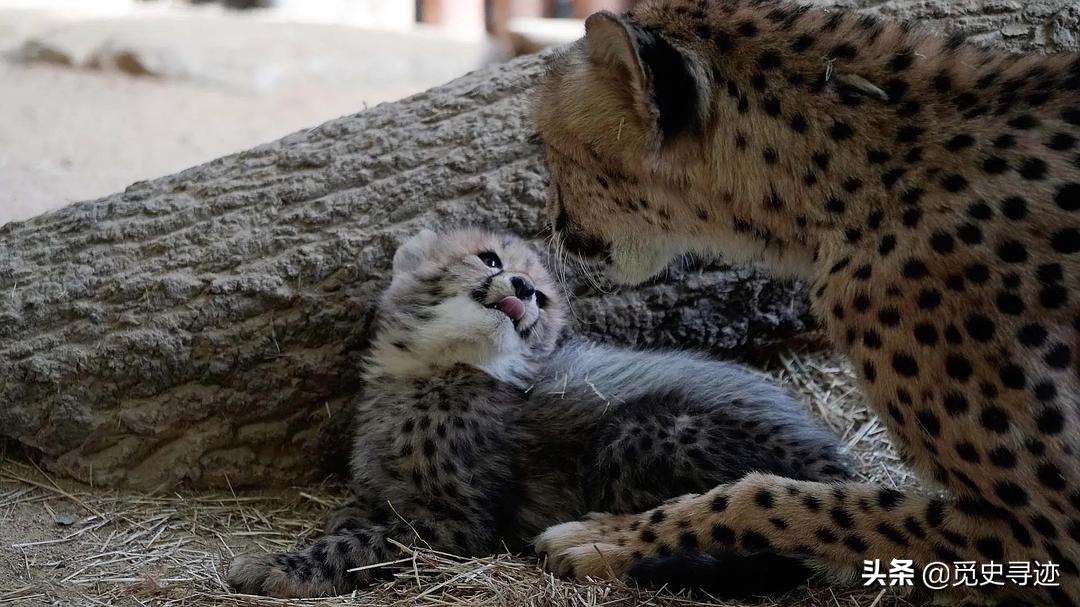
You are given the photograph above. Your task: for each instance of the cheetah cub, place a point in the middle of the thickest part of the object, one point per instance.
(476, 430)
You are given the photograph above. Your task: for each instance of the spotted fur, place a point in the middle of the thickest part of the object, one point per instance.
(929, 190)
(476, 432)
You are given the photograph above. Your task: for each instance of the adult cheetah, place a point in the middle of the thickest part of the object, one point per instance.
(928, 189)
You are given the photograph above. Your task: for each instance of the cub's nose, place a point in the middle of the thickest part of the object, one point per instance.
(523, 289)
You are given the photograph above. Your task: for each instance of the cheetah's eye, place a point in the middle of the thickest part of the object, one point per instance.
(490, 259)
(541, 299)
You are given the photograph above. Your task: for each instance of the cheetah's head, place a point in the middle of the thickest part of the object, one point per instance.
(467, 296)
(627, 118)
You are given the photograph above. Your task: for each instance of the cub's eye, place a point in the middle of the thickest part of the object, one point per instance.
(541, 299)
(490, 259)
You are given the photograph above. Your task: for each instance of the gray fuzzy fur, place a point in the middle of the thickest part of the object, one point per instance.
(484, 434)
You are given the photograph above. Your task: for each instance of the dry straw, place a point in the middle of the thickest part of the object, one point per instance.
(67, 544)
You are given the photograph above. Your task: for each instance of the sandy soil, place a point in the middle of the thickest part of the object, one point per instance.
(68, 135)
(74, 127)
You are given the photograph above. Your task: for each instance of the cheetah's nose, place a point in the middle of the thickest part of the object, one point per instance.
(523, 289)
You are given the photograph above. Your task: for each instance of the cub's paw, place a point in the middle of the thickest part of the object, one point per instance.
(597, 547)
(264, 574)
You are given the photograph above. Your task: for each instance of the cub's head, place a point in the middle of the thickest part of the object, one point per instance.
(642, 152)
(467, 296)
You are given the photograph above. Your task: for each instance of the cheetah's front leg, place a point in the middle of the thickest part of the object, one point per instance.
(836, 525)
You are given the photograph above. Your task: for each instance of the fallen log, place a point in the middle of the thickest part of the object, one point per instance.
(206, 327)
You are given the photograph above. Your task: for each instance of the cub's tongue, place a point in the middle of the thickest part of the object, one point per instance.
(512, 307)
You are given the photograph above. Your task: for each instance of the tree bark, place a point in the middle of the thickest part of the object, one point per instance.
(207, 326)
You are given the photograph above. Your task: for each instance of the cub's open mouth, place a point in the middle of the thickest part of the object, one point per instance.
(513, 307)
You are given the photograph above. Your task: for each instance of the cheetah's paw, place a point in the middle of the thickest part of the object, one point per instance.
(596, 547)
(261, 574)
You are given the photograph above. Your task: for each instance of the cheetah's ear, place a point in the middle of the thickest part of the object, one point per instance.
(413, 251)
(610, 41)
(667, 83)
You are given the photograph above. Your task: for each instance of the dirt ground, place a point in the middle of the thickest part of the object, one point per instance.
(91, 102)
(62, 543)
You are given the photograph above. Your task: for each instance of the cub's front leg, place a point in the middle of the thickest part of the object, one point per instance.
(323, 569)
(338, 562)
(443, 500)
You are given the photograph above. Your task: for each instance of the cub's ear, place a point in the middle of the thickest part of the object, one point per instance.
(669, 85)
(412, 252)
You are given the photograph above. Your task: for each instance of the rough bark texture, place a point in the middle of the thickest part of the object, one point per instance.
(1030, 25)
(205, 326)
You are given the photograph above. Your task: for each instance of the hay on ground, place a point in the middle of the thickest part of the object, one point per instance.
(69, 544)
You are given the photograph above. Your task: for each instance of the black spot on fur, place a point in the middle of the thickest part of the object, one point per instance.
(954, 183)
(844, 51)
(942, 243)
(802, 43)
(1061, 142)
(965, 101)
(886, 245)
(1009, 303)
(908, 108)
(1051, 476)
(1067, 197)
(764, 499)
(841, 131)
(747, 28)
(995, 165)
(1012, 251)
(1014, 208)
(925, 334)
(821, 159)
(959, 142)
(890, 177)
(835, 205)
(958, 367)
(902, 60)
(889, 498)
(905, 365)
(855, 543)
(841, 517)
(980, 211)
(1024, 122)
(908, 134)
(876, 156)
(941, 82)
(1011, 493)
(770, 60)
(955, 403)
(826, 536)
(798, 121)
(892, 534)
(753, 541)
(1051, 421)
(1066, 240)
(969, 233)
(915, 269)
(1033, 169)
(723, 535)
(995, 419)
